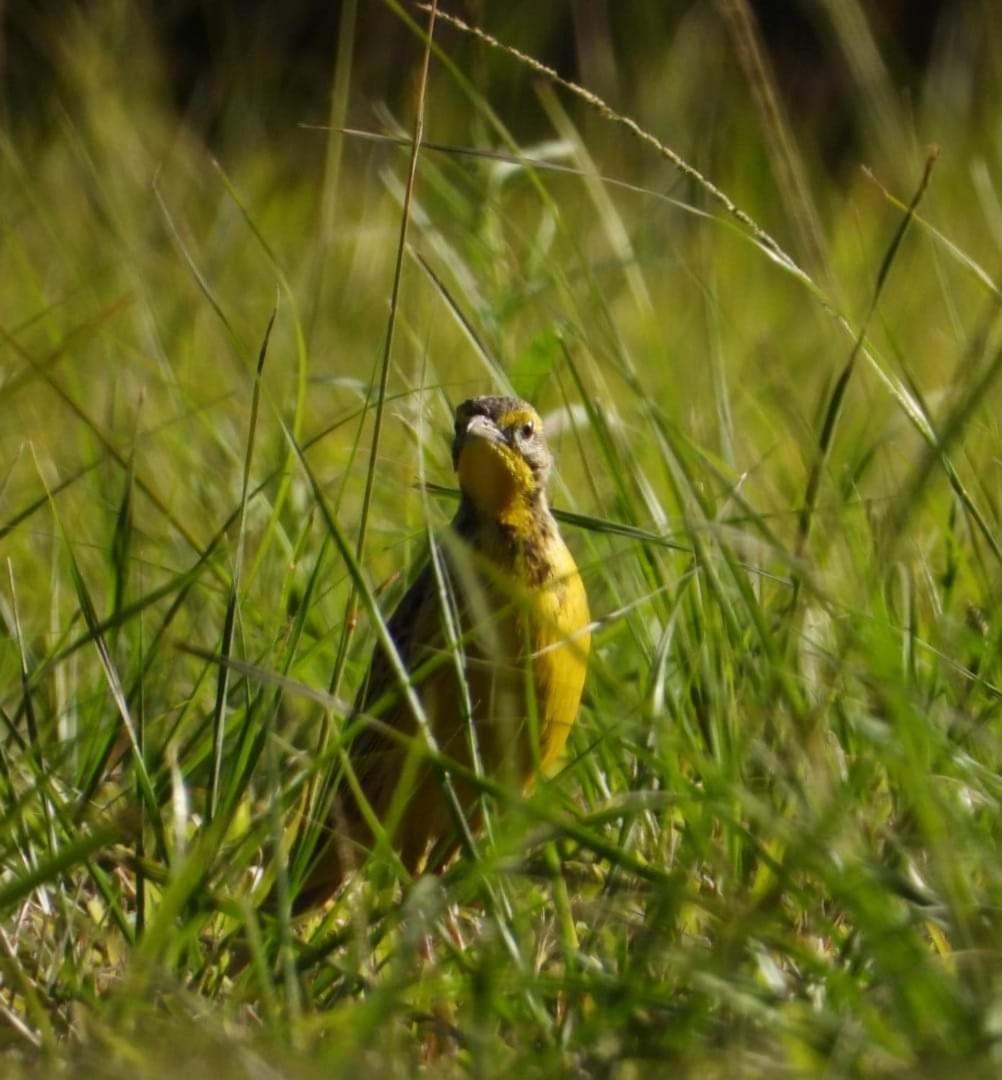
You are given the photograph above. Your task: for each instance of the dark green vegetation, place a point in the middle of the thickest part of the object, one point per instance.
(775, 842)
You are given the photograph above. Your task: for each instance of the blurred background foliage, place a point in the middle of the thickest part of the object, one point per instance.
(774, 846)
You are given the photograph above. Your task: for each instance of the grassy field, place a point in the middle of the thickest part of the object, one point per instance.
(770, 382)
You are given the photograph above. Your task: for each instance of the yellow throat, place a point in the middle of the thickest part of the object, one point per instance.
(498, 481)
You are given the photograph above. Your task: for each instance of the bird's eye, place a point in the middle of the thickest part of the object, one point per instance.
(527, 430)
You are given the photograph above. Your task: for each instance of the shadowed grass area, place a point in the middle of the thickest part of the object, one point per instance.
(773, 845)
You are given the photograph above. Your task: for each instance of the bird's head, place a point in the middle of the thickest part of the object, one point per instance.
(501, 458)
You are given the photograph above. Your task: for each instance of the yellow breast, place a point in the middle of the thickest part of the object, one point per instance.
(515, 631)
(561, 654)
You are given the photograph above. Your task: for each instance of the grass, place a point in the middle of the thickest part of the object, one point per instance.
(773, 845)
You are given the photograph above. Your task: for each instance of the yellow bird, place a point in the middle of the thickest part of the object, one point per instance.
(520, 613)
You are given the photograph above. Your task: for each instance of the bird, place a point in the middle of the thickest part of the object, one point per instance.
(506, 699)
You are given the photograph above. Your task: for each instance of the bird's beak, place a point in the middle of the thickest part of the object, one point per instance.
(482, 427)
(479, 439)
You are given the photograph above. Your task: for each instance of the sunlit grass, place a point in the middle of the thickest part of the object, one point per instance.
(773, 844)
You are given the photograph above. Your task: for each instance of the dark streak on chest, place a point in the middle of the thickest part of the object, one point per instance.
(525, 554)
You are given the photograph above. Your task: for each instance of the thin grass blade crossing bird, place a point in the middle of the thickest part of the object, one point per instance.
(521, 611)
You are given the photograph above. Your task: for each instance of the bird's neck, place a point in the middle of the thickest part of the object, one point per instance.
(519, 534)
